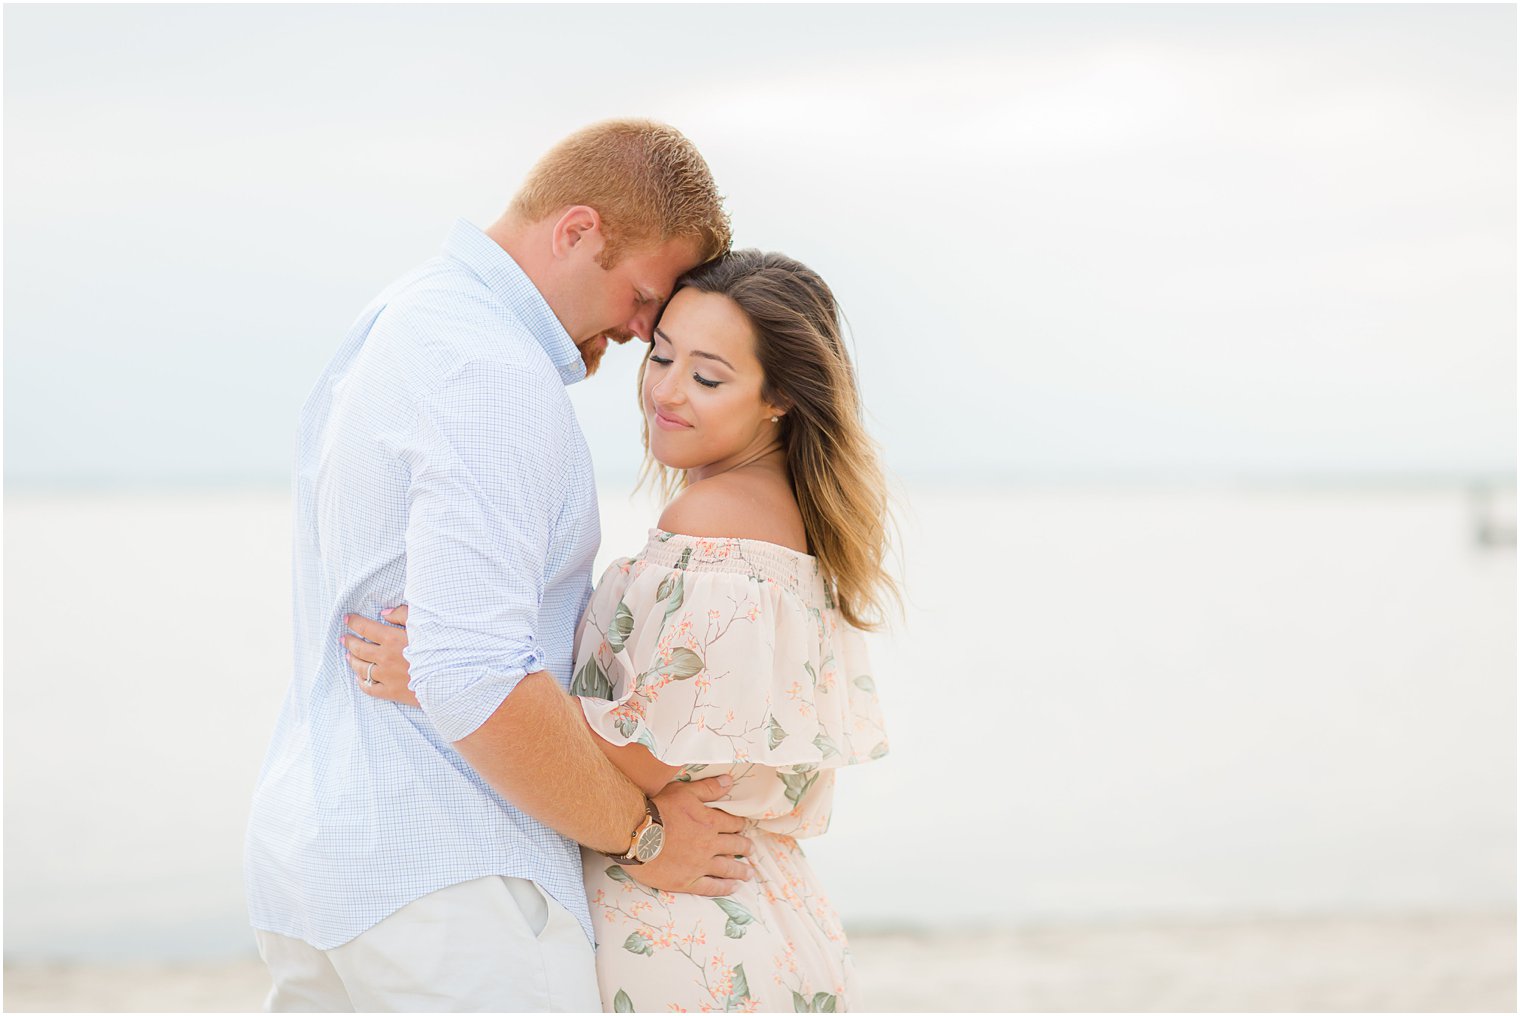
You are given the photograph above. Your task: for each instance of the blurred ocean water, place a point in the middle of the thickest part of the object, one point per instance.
(1104, 705)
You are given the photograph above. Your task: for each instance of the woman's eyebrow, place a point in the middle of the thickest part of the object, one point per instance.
(698, 352)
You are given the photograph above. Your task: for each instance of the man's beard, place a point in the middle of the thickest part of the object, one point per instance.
(593, 350)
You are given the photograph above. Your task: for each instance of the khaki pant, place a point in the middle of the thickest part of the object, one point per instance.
(494, 944)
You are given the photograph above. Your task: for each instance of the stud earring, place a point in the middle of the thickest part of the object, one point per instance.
(775, 419)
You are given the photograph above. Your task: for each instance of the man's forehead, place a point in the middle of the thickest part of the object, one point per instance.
(674, 257)
(656, 279)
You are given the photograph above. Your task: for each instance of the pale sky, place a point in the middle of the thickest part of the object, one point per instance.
(1088, 241)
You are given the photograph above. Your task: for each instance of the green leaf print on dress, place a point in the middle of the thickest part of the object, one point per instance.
(622, 1003)
(591, 681)
(820, 1002)
(774, 734)
(674, 587)
(683, 664)
(740, 994)
(617, 874)
(620, 628)
(638, 944)
(738, 917)
(797, 784)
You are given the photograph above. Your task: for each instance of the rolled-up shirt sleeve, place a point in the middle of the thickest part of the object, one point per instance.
(487, 483)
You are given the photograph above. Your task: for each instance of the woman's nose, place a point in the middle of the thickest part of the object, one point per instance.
(666, 392)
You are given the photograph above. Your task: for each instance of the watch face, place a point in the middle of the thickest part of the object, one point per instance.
(650, 843)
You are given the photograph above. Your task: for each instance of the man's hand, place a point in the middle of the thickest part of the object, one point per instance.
(700, 842)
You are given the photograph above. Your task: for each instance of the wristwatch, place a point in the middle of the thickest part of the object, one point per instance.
(648, 838)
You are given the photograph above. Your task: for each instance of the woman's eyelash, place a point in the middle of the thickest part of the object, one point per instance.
(698, 378)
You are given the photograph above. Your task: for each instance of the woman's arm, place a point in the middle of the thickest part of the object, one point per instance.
(375, 657)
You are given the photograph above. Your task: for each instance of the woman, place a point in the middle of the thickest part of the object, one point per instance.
(731, 642)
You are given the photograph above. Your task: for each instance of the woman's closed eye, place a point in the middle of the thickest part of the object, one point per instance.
(698, 378)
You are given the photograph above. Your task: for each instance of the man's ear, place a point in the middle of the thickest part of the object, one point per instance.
(578, 231)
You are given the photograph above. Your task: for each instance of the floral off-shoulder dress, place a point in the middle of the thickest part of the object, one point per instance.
(727, 656)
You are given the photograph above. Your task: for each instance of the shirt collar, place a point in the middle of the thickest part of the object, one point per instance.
(495, 267)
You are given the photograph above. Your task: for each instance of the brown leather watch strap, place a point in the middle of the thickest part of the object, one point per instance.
(651, 816)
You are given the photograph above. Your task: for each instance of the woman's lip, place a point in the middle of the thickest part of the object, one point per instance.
(670, 422)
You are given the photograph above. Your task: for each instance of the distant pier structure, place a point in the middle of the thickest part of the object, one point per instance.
(1493, 508)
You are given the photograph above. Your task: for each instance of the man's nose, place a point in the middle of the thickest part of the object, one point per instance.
(642, 323)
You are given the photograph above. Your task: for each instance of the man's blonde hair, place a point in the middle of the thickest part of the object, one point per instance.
(648, 183)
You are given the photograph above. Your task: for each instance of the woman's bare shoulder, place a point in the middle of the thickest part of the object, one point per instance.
(735, 505)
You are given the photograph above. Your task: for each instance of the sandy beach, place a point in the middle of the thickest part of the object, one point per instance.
(1448, 963)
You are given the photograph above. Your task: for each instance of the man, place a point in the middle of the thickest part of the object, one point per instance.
(426, 859)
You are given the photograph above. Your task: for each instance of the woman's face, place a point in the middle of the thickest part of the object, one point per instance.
(702, 386)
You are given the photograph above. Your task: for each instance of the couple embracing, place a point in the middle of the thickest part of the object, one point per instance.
(561, 798)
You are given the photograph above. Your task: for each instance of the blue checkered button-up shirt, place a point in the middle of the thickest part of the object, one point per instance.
(438, 463)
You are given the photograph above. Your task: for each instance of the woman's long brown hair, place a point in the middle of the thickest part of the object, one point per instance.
(831, 460)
